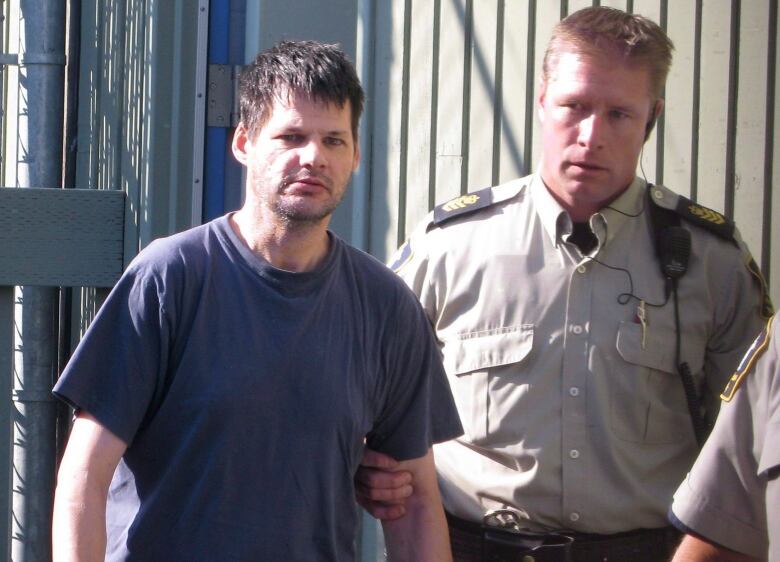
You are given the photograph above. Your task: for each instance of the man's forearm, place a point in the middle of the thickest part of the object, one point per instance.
(693, 549)
(79, 525)
(422, 533)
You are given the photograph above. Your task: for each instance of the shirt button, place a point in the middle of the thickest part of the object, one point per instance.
(574, 391)
(577, 329)
(574, 453)
(582, 269)
(574, 516)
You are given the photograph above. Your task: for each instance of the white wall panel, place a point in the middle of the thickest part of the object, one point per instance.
(517, 90)
(714, 102)
(648, 163)
(680, 108)
(419, 114)
(751, 127)
(482, 94)
(574, 5)
(547, 15)
(619, 4)
(449, 110)
(387, 120)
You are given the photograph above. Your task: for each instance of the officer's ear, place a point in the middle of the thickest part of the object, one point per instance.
(540, 99)
(657, 108)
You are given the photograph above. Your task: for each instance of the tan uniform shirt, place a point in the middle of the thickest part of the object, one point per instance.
(574, 415)
(732, 494)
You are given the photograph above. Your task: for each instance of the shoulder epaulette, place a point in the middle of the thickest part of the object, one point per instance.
(699, 215)
(758, 347)
(474, 201)
(714, 222)
(459, 206)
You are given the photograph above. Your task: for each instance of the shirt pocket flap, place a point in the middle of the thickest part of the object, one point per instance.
(656, 352)
(475, 351)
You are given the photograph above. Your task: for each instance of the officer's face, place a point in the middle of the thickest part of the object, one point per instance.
(594, 112)
(300, 162)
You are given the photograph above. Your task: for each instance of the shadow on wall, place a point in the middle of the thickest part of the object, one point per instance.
(437, 119)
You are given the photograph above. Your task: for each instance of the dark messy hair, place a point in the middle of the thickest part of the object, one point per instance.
(319, 71)
(599, 29)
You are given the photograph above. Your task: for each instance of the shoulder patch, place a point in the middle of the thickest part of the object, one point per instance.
(401, 256)
(462, 205)
(746, 365)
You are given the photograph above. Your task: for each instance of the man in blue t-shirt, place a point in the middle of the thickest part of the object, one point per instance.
(226, 390)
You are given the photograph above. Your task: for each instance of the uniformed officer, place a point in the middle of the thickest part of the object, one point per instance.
(587, 321)
(730, 502)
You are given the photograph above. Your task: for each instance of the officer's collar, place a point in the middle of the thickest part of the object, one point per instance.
(609, 221)
(554, 219)
(605, 223)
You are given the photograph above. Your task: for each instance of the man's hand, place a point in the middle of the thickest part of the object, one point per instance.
(381, 487)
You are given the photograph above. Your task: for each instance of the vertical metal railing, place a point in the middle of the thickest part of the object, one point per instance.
(38, 164)
(6, 325)
(3, 49)
(129, 102)
(6, 384)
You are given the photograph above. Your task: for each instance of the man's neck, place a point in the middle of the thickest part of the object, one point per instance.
(582, 210)
(290, 246)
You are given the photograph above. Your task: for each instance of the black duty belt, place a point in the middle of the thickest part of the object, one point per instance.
(473, 542)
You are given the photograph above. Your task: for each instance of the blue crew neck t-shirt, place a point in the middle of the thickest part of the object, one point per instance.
(246, 395)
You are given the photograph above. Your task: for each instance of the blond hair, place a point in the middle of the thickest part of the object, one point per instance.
(601, 30)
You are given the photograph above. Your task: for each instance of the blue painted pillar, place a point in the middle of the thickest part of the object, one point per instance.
(216, 137)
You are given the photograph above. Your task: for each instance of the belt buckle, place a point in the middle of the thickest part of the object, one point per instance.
(504, 540)
(506, 519)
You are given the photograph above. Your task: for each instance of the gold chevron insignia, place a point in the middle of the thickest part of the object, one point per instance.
(707, 214)
(461, 202)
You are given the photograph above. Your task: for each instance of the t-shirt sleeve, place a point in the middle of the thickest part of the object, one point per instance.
(116, 370)
(418, 409)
